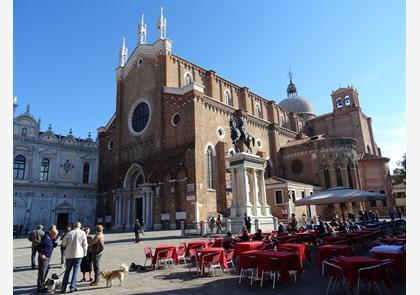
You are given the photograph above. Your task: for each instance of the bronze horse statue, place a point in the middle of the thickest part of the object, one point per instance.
(238, 133)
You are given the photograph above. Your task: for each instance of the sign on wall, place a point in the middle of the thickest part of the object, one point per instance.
(181, 215)
(164, 216)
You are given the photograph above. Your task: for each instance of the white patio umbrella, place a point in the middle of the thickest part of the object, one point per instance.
(339, 195)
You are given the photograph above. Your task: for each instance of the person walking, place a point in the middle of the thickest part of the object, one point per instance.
(218, 224)
(137, 227)
(35, 237)
(97, 246)
(45, 249)
(211, 224)
(75, 242)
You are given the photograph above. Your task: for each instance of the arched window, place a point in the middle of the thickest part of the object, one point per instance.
(338, 175)
(19, 165)
(258, 110)
(368, 149)
(347, 101)
(45, 167)
(211, 169)
(188, 79)
(327, 178)
(339, 103)
(350, 180)
(24, 130)
(86, 169)
(227, 98)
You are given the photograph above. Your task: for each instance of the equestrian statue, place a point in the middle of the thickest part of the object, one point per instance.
(238, 134)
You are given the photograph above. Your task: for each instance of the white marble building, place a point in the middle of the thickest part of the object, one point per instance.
(54, 176)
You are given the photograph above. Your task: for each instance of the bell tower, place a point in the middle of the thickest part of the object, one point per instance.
(345, 100)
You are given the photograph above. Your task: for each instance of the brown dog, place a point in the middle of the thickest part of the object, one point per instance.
(115, 274)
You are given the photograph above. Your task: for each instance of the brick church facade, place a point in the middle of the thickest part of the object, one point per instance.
(162, 155)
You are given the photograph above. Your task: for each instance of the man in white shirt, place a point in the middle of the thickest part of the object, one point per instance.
(76, 245)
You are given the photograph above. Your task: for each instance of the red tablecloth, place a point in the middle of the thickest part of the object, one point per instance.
(332, 240)
(351, 266)
(209, 250)
(192, 244)
(329, 251)
(247, 246)
(399, 260)
(309, 236)
(301, 248)
(165, 247)
(289, 261)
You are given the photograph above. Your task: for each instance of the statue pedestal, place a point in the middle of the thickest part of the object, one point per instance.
(248, 191)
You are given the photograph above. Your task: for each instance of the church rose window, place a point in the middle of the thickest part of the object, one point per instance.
(176, 118)
(140, 117)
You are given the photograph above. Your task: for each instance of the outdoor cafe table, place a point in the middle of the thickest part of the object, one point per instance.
(289, 261)
(396, 253)
(352, 264)
(328, 251)
(218, 241)
(247, 246)
(193, 244)
(333, 240)
(209, 250)
(392, 241)
(309, 236)
(165, 247)
(301, 248)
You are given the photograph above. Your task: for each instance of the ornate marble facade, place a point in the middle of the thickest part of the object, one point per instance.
(54, 176)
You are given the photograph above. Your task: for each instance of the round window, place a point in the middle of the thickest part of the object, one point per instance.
(139, 62)
(220, 132)
(297, 166)
(176, 118)
(140, 117)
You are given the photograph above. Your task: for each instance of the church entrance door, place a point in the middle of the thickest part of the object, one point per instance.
(139, 208)
(62, 220)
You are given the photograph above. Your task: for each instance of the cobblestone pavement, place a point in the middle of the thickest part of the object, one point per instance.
(120, 248)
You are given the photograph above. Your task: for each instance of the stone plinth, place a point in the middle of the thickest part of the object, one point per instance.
(248, 191)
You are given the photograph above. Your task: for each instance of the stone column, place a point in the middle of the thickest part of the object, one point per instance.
(344, 178)
(263, 193)
(257, 195)
(234, 189)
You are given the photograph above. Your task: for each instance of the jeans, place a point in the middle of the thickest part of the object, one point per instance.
(75, 264)
(33, 255)
(136, 233)
(42, 271)
(96, 260)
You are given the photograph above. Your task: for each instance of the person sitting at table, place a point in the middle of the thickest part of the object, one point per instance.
(258, 236)
(329, 228)
(243, 236)
(321, 228)
(311, 225)
(228, 238)
(281, 229)
(334, 222)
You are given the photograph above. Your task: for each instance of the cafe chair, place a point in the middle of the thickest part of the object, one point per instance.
(229, 259)
(148, 254)
(181, 253)
(249, 265)
(371, 274)
(212, 261)
(336, 275)
(164, 258)
(194, 257)
(272, 268)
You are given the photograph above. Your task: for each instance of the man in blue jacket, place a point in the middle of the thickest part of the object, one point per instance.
(45, 249)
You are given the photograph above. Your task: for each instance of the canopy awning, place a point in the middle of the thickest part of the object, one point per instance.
(339, 195)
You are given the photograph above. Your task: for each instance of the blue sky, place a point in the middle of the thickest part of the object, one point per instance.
(66, 52)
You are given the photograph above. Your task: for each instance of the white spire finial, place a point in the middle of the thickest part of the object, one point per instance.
(142, 31)
(123, 53)
(162, 24)
(15, 100)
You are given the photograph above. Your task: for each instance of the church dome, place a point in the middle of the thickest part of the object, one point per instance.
(296, 103)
